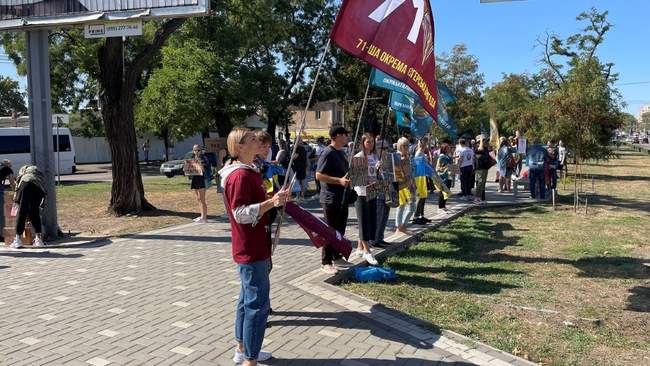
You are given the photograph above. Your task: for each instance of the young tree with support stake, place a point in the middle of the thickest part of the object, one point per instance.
(582, 107)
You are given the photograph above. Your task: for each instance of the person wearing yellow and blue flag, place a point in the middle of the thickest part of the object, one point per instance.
(422, 171)
(405, 186)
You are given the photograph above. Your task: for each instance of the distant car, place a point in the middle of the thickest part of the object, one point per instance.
(174, 167)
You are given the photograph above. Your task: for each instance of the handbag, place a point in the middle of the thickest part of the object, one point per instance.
(350, 196)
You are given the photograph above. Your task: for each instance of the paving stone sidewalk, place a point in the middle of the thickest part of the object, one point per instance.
(168, 298)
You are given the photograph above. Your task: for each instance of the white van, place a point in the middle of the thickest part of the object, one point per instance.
(15, 146)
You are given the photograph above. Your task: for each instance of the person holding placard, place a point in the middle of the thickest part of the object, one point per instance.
(366, 205)
(201, 177)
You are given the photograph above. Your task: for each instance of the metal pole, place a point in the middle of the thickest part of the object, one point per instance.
(356, 135)
(58, 152)
(276, 239)
(553, 192)
(40, 119)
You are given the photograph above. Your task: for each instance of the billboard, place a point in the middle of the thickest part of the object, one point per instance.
(27, 14)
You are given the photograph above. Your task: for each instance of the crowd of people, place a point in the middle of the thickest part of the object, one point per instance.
(252, 195)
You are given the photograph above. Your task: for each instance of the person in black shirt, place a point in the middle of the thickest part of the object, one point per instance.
(331, 172)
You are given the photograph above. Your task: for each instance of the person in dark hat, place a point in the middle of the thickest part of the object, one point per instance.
(331, 171)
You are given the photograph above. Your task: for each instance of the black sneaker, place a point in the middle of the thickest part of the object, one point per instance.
(381, 244)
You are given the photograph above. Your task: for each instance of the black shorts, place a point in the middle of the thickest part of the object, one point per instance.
(198, 182)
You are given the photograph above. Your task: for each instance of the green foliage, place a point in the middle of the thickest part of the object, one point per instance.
(88, 123)
(509, 101)
(460, 72)
(173, 104)
(11, 97)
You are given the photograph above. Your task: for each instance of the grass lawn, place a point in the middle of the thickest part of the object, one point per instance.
(82, 207)
(551, 286)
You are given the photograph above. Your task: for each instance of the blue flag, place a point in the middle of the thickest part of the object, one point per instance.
(382, 80)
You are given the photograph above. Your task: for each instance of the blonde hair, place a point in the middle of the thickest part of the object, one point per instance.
(403, 141)
(235, 138)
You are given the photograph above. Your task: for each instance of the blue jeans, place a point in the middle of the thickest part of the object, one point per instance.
(536, 177)
(383, 211)
(252, 307)
(404, 212)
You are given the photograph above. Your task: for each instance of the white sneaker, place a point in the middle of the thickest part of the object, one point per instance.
(197, 219)
(329, 269)
(343, 263)
(368, 257)
(38, 242)
(357, 253)
(240, 358)
(17, 243)
(202, 221)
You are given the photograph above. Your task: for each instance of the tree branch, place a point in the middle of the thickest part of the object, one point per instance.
(142, 60)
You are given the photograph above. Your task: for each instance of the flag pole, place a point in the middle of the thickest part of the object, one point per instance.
(356, 134)
(298, 139)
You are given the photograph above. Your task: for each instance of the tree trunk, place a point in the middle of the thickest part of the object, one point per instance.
(118, 86)
(166, 143)
(127, 191)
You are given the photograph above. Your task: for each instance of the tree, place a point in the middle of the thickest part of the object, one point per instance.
(11, 98)
(509, 101)
(581, 107)
(172, 106)
(459, 72)
(115, 70)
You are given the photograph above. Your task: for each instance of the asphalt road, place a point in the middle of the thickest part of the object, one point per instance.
(92, 173)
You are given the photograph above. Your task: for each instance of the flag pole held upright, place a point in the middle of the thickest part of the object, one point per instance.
(299, 132)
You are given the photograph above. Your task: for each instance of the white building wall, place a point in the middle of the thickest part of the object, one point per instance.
(96, 149)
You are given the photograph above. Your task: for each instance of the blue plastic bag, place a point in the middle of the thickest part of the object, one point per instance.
(374, 274)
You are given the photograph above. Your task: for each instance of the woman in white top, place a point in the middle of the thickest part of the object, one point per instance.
(367, 208)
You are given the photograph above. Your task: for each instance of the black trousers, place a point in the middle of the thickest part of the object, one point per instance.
(466, 177)
(419, 210)
(336, 216)
(30, 202)
(442, 202)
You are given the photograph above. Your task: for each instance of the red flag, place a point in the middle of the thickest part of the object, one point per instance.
(318, 231)
(395, 36)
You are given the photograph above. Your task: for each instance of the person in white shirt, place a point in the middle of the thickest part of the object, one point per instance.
(466, 165)
(367, 207)
(561, 149)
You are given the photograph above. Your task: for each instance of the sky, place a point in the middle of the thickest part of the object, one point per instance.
(502, 36)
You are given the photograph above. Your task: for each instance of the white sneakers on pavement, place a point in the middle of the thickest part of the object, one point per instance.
(329, 269)
(240, 358)
(17, 243)
(368, 257)
(38, 242)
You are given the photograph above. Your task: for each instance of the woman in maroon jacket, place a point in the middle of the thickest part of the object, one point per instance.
(247, 204)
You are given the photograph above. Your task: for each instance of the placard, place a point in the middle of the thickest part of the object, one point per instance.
(521, 146)
(359, 171)
(192, 167)
(388, 167)
(214, 145)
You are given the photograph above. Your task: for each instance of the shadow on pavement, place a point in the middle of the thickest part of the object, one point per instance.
(352, 320)
(34, 254)
(361, 361)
